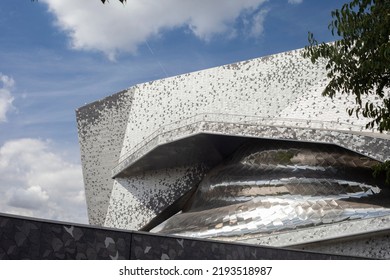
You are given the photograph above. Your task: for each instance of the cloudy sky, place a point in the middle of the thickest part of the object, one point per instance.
(57, 55)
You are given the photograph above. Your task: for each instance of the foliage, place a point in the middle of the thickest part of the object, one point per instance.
(383, 170)
(359, 63)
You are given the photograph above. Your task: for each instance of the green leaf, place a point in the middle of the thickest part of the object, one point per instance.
(359, 62)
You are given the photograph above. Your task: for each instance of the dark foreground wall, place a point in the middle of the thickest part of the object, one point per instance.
(25, 238)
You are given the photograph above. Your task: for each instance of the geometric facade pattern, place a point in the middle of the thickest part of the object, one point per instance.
(267, 186)
(147, 147)
(33, 239)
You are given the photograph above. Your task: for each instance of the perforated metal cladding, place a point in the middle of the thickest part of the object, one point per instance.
(278, 95)
(274, 97)
(101, 128)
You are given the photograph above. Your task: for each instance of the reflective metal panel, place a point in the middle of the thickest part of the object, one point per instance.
(270, 186)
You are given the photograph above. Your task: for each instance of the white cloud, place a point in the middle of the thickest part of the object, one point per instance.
(6, 98)
(258, 23)
(35, 181)
(116, 27)
(33, 198)
(295, 1)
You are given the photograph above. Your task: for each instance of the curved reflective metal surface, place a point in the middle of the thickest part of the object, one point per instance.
(271, 186)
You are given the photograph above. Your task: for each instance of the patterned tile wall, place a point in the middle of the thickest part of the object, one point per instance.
(23, 238)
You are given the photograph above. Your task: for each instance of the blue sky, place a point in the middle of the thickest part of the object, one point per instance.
(56, 56)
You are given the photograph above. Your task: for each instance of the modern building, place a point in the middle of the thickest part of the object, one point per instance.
(249, 152)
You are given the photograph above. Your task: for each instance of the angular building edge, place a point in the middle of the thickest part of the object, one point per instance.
(274, 97)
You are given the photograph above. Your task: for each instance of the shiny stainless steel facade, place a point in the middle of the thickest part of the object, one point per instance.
(146, 148)
(271, 186)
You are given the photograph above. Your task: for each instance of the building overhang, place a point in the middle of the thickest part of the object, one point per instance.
(208, 146)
